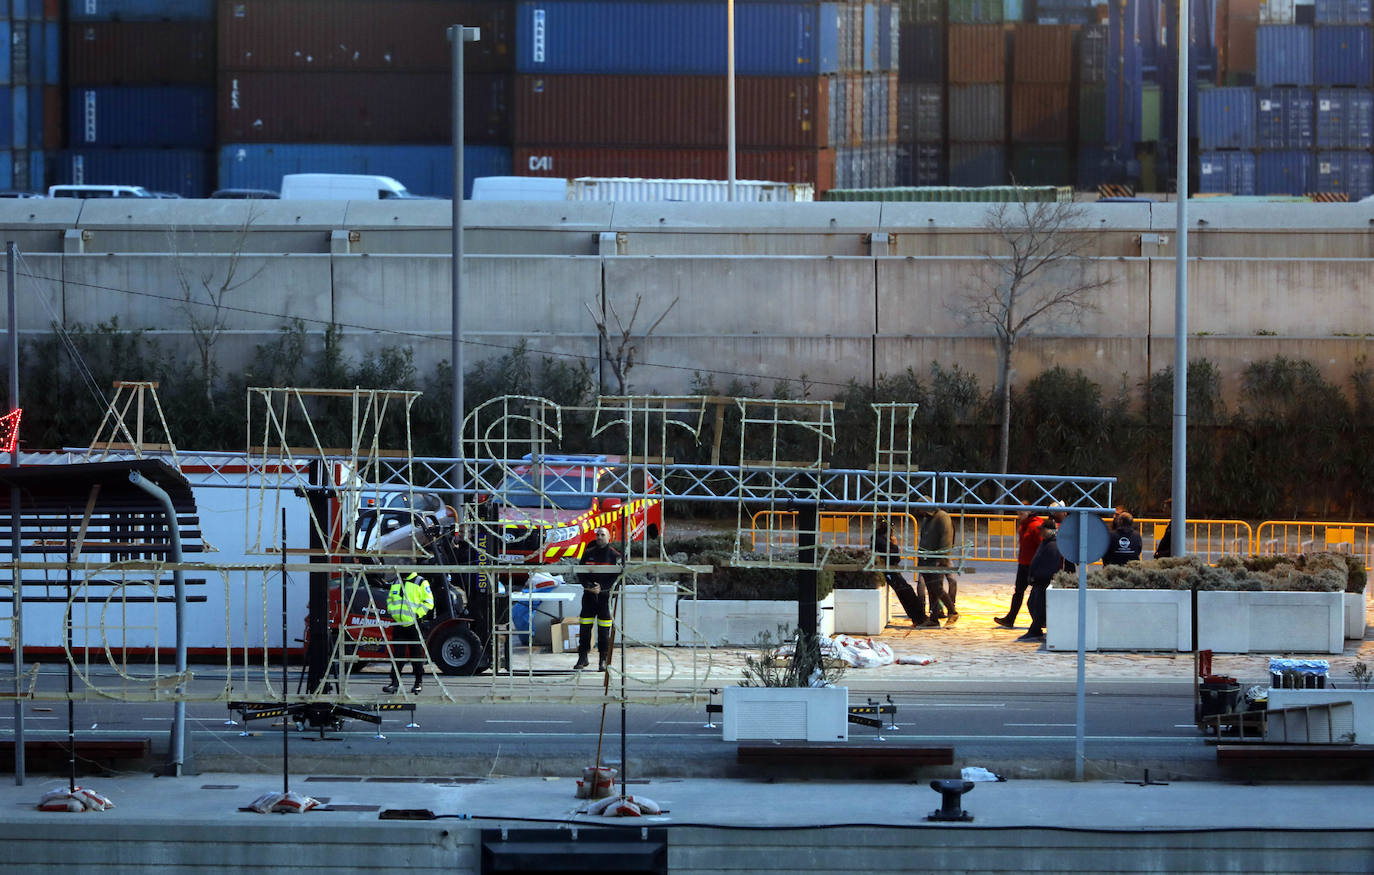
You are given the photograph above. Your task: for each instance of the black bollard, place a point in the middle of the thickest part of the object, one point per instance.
(950, 790)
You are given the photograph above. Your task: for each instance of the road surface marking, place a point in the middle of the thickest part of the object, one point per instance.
(525, 722)
(1039, 724)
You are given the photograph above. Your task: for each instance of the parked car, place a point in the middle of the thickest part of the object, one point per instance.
(89, 191)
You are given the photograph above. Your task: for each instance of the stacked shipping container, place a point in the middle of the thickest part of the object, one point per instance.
(921, 94)
(814, 95)
(1042, 130)
(30, 100)
(977, 72)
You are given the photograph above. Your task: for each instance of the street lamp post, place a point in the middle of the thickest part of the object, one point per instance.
(457, 35)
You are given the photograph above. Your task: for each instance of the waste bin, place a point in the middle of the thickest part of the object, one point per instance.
(1219, 697)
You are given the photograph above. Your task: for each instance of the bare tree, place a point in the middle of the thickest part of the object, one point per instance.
(621, 350)
(206, 285)
(1035, 267)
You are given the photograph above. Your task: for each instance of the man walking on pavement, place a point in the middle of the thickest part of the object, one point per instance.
(1027, 542)
(408, 601)
(596, 601)
(933, 549)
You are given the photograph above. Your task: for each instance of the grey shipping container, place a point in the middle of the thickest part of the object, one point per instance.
(1284, 118)
(920, 113)
(1092, 55)
(920, 164)
(977, 113)
(1342, 11)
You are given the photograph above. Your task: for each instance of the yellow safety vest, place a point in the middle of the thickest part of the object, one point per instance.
(409, 599)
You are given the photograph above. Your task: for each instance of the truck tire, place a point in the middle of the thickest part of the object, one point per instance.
(456, 651)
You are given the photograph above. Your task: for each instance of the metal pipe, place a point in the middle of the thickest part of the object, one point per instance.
(456, 35)
(16, 535)
(177, 742)
(730, 99)
(1179, 544)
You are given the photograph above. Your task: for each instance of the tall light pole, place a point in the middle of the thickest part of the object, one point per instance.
(1179, 543)
(457, 35)
(730, 100)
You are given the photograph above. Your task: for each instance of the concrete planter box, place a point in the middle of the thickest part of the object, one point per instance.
(861, 611)
(744, 621)
(1228, 622)
(803, 713)
(1363, 700)
(1355, 617)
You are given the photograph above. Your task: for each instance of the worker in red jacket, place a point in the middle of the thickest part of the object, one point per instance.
(1028, 524)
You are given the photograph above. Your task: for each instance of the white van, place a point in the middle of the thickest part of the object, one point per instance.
(85, 191)
(340, 187)
(519, 188)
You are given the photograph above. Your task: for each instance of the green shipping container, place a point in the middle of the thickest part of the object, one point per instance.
(1151, 102)
(1044, 165)
(1092, 114)
(956, 194)
(976, 11)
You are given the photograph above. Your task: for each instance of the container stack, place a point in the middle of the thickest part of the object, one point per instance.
(30, 95)
(140, 95)
(1225, 129)
(921, 95)
(1041, 121)
(618, 88)
(977, 72)
(365, 88)
(1344, 72)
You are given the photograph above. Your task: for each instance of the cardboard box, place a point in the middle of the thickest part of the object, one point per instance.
(565, 635)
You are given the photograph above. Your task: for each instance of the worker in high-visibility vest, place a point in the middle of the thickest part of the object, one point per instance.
(408, 601)
(596, 601)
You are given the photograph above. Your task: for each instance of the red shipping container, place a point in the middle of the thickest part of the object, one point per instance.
(52, 9)
(977, 53)
(1237, 23)
(396, 35)
(141, 53)
(1040, 113)
(816, 166)
(53, 117)
(411, 108)
(687, 110)
(1043, 53)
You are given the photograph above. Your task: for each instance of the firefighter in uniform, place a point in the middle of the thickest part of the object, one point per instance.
(596, 601)
(408, 600)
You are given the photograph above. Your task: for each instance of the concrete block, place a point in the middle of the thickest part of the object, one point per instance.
(744, 621)
(1356, 607)
(804, 713)
(1119, 619)
(861, 611)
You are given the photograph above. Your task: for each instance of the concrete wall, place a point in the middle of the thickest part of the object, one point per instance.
(764, 291)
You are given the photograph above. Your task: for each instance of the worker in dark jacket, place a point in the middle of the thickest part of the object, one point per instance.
(887, 555)
(1046, 563)
(596, 601)
(1124, 544)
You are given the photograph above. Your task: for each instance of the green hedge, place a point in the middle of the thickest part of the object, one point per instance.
(1310, 572)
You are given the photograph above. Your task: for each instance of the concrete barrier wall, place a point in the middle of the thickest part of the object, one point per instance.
(831, 313)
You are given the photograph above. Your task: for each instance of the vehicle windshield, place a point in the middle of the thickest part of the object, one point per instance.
(569, 490)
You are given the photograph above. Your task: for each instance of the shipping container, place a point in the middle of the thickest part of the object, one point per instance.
(977, 53)
(976, 114)
(889, 37)
(920, 164)
(1042, 53)
(920, 113)
(1289, 172)
(123, 53)
(1285, 118)
(922, 52)
(1344, 56)
(410, 108)
(1042, 164)
(6, 77)
(54, 131)
(180, 171)
(141, 10)
(424, 170)
(142, 115)
(1092, 55)
(1071, 12)
(1225, 118)
(816, 166)
(1350, 173)
(1283, 55)
(1236, 41)
(1092, 115)
(405, 36)
(870, 37)
(1345, 118)
(1040, 113)
(790, 111)
(977, 164)
(877, 129)
(854, 104)
(1151, 113)
(1226, 173)
(849, 167)
(1125, 80)
(1342, 11)
(922, 11)
(592, 188)
(608, 36)
(976, 12)
(1276, 12)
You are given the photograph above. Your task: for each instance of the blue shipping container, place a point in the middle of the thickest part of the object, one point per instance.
(1291, 172)
(1283, 55)
(52, 53)
(1350, 173)
(1343, 11)
(1098, 165)
(870, 38)
(1124, 79)
(181, 115)
(180, 171)
(605, 36)
(1226, 118)
(1345, 117)
(7, 117)
(889, 26)
(1284, 118)
(977, 164)
(5, 52)
(425, 170)
(1226, 173)
(19, 113)
(141, 10)
(1344, 56)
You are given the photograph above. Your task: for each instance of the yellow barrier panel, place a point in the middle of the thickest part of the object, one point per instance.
(1292, 536)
